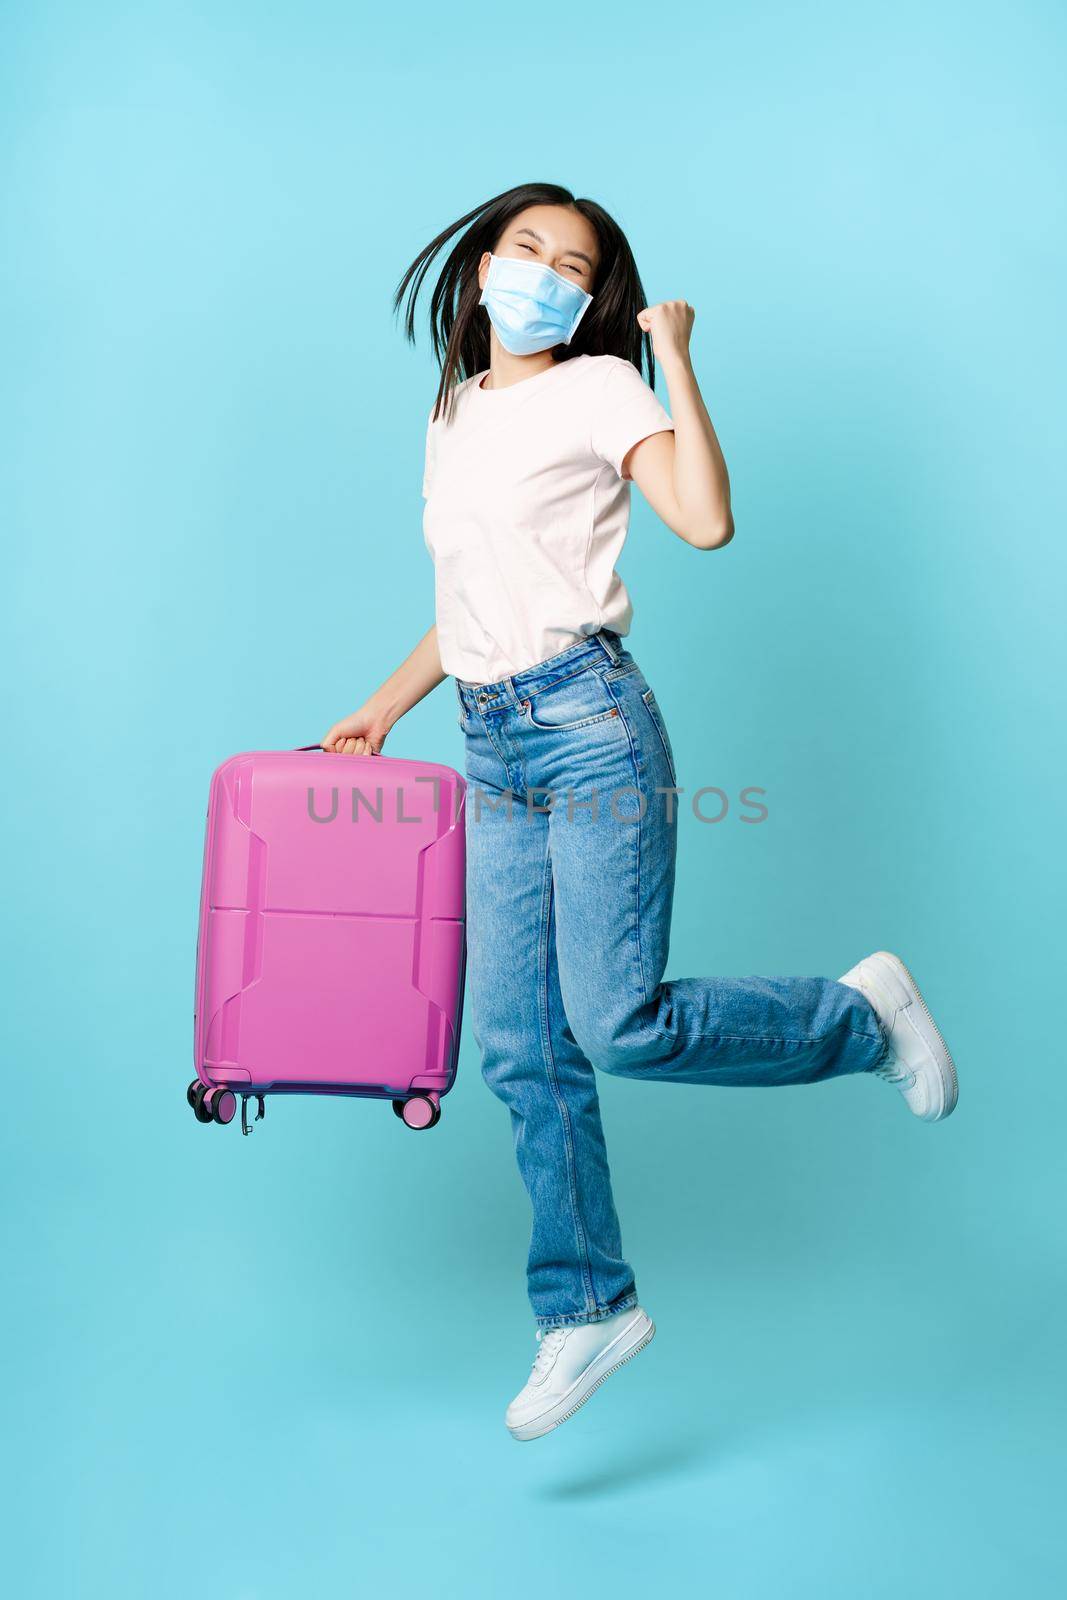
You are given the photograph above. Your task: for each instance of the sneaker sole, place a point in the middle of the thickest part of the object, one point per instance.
(946, 1067)
(539, 1426)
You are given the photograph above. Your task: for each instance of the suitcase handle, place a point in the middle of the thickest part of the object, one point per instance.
(301, 747)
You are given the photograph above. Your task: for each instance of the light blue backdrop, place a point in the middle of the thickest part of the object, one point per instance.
(274, 1368)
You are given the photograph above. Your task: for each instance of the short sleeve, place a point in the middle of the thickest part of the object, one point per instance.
(428, 458)
(626, 411)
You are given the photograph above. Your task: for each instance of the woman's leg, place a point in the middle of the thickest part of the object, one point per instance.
(576, 1271)
(612, 837)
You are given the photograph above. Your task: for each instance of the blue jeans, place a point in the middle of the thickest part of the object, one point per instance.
(571, 836)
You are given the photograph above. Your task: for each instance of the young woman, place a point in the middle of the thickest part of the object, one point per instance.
(541, 420)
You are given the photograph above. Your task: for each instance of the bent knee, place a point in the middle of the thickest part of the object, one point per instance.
(611, 1043)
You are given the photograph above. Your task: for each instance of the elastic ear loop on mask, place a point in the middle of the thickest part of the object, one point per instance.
(578, 319)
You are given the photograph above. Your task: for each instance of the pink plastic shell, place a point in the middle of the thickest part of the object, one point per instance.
(331, 950)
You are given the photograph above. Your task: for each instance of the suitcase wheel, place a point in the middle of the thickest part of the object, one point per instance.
(223, 1105)
(418, 1111)
(197, 1096)
(211, 1105)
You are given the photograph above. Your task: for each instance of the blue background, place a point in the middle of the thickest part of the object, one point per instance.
(277, 1367)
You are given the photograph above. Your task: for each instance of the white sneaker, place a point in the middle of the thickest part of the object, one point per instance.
(570, 1364)
(918, 1062)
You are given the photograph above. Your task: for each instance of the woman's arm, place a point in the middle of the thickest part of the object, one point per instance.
(364, 732)
(682, 474)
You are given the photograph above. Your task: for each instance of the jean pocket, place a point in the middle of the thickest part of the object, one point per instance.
(578, 701)
(652, 707)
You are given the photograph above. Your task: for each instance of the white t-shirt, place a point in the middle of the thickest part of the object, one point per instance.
(526, 512)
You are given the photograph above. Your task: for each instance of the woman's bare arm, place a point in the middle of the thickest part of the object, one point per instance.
(364, 732)
(682, 474)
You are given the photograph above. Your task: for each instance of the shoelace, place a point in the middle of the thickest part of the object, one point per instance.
(550, 1343)
(892, 1071)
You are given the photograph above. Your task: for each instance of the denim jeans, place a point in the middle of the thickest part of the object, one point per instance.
(571, 838)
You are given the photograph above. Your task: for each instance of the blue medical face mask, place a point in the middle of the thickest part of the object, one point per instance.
(531, 306)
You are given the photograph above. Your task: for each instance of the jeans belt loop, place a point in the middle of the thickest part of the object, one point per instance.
(609, 649)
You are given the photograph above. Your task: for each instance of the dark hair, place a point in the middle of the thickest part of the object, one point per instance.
(460, 336)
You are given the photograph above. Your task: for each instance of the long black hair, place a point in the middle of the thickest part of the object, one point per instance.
(460, 333)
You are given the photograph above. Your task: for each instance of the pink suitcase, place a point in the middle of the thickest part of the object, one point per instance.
(331, 953)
